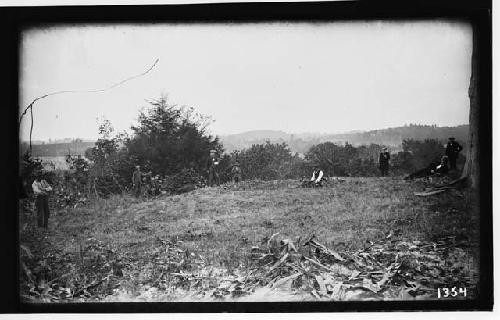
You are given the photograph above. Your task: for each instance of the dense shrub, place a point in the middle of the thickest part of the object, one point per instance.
(70, 187)
(183, 181)
(267, 162)
(344, 160)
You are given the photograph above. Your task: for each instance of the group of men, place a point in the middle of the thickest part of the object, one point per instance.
(448, 161)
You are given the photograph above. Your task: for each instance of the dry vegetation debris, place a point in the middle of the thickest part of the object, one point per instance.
(390, 269)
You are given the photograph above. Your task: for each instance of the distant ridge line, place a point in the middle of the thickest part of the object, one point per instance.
(297, 142)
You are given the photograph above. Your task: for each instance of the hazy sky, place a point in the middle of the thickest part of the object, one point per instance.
(296, 77)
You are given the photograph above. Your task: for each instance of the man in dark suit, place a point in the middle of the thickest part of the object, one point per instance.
(453, 148)
(137, 181)
(383, 162)
(212, 163)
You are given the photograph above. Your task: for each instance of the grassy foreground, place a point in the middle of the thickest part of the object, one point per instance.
(119, 248)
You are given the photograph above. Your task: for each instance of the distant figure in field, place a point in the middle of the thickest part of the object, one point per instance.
(236, 172)
(41, 190)
(212, 163)
(453, 148)
(383, 162)
(431, 170)
(137, 181)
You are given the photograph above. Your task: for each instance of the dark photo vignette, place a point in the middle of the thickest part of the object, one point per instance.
(14, 20)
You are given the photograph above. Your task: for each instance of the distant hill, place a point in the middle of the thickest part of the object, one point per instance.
(246, 139)
(75, 147)
(260, 134)
(395, 136)
(300, 143)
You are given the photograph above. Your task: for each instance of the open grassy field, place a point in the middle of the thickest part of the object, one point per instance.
(141, 245)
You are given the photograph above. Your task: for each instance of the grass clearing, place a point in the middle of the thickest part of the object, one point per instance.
(221, 224)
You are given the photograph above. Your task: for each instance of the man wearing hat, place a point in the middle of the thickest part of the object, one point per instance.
(453, 148)
(212, 163)
(383, 162)
(137, 180)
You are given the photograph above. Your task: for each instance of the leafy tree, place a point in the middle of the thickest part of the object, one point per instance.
(111, 167)
(170, 138)
(105, 147)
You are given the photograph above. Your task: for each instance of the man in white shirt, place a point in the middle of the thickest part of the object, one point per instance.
(41, 189)
(317, 176)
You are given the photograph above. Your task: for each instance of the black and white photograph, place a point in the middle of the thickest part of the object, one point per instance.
(250, 161)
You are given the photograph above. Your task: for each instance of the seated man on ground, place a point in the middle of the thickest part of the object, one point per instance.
(316, 180)
(433, 169)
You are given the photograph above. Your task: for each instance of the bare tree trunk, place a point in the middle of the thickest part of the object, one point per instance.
(471, 168)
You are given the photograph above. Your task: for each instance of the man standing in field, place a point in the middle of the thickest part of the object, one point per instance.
(452, 151)
(383, 162)
(212, 163)
(137, 181)
(41, 189)
(236, 172)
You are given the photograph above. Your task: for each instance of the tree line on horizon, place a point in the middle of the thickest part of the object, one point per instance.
(392, 137)
(172, 143)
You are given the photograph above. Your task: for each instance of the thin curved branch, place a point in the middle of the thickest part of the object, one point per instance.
(31, 129)
(87, 91)
(30, 106)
